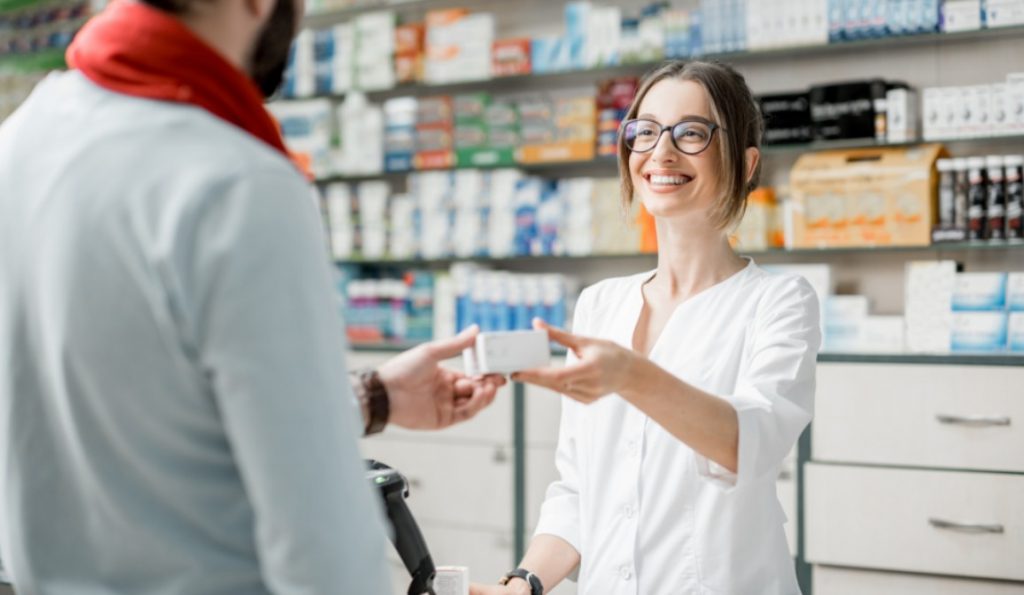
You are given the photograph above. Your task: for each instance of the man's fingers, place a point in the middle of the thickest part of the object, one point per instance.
(447, 348)
(466, 408)
(464, 386)
(558, 335)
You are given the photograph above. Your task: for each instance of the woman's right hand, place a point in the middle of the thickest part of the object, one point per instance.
(602, 367)
(515, 587)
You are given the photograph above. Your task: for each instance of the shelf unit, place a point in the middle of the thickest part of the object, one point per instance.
(922, 60)
(577, 77)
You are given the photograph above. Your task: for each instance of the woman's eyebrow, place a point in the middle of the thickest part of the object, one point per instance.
(646, 116)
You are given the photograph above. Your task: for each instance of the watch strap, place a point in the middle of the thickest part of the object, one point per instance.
(374, 398)
(536, 587)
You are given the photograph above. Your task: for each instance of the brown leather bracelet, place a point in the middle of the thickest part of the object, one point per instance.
(373, 398)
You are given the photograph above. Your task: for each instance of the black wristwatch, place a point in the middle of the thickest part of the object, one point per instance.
(536, 588)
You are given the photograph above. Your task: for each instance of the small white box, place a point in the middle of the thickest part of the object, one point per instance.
(901, 115)
(979, 292)
(933, 122)
(999, 110)
(979, 332)
(952, 111)
(1015, 332)
(883, 334)
(977, 124)
(928, 311)
(1003, 13)
(844, 322)
(451, 580)
(1015, 102)
(961, 15)
(506, 352)
(1015, 292)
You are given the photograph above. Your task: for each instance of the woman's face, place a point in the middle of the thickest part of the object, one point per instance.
(670, 183)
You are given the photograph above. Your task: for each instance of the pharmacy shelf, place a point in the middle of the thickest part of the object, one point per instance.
(323, 18)
(596, 165)
(957, 247)
(607, 164)
(588, 76)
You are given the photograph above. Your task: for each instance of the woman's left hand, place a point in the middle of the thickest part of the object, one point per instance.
(603, 368)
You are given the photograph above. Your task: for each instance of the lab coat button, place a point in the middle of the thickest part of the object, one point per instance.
(629, 511)
(626, 573)
(632, 447)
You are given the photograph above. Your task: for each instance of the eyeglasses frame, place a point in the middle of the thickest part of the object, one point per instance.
(711, 135)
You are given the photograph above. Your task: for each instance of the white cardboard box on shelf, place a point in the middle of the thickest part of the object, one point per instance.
(1003, 13)
(999, 110)
(883, 334)
(844, 322)
(976, 122)
(901, 115)
(1015, 102)
(979, 332)
(1015, 292)
(1015, 332)
(961, 15)
(979, 292)
(928, 305)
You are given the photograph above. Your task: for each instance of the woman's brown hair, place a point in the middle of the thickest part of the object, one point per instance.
(734, 108)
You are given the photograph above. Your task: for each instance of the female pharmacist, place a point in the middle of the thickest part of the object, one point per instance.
(686, 386)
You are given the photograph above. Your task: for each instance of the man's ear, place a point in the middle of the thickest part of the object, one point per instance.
(752, 157)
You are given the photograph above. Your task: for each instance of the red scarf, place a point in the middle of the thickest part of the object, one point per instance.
(137, 50)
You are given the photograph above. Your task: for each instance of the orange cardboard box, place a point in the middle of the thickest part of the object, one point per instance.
(865, 197)
(554, 152)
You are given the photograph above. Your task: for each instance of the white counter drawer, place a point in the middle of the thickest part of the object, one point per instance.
(920, 415)
(887, 519)
(829, 580)
(466, 485)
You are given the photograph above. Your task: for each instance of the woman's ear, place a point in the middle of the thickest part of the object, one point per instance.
(752, 157)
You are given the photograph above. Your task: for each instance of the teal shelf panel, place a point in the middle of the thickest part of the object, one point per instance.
(957, 359)
(964, 359)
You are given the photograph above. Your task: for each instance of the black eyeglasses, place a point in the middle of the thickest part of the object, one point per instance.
(691, 136)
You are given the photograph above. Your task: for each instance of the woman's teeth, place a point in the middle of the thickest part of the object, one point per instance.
(673, 180)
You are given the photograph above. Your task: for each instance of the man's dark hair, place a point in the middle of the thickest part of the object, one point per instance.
(178, 7)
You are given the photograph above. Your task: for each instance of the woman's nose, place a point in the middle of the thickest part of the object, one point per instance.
(665, 149)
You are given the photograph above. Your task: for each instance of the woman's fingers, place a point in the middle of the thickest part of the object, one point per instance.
(564, 338)
(553, 378)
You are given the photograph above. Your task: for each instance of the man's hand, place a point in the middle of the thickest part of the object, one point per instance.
(426, 396)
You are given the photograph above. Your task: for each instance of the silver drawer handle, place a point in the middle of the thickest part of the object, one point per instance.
(977, 421)
(965, 527)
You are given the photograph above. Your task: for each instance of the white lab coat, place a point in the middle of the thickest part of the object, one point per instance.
(175, 415)
(649, 515)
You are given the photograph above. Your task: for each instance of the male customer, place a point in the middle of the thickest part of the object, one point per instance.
(175, 414)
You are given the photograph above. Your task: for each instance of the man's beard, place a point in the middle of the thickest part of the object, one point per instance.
(271, 54)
